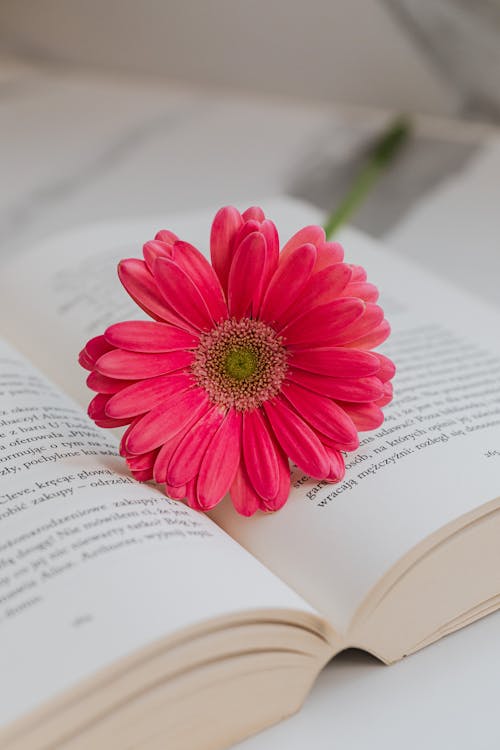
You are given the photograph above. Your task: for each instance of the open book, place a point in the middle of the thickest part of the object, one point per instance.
(127, 620)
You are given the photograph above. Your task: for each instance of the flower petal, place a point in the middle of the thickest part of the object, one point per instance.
(102, 384)
(343, 389)
(139, 366)
(322, 287)
(244, 498)
(337, 465)
(328, 253)
(166, 452)
(182, 294)
(297, 439)
(154, 249)
(372, 316)
(324, 415)
(386, 398)
(365, 416)
(387, 367)
(186, 460)
(260, 454)
(363, 290)
(166, 420)
(268, 229)
(287, 282)
(253, 212)
(165, 235)
(149, 336)
(143, 289)
(246, 277)
(281, 496)
(145, 395)
(335, 361)
(97, 407)
(323, 324)
(94, 348)
(176, 493)
(374, 338)
(358, 273)
(203, 275)
(226, 223)
(312, 234)
(220, 462)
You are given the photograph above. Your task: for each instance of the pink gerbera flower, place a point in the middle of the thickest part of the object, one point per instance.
(256, 359)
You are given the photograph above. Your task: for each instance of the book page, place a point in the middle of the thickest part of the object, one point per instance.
(436, 457)
(94, 565)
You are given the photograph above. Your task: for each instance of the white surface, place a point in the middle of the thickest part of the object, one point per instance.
(76, 149)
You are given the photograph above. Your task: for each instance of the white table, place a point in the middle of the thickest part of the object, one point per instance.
(77, 148)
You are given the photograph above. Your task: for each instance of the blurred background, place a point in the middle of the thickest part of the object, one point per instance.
(120, 107)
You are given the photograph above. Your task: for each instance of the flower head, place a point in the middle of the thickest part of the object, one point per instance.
(260, 357)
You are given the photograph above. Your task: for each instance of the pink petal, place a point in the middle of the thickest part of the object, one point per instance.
(386, 398)
(248, 227)
(226, 223)
(363, 290)
(322, 287)
(203, 275)
(165, 235)
(156, 249)
(95, 348)
(254, 212)
(365, 416)
(313, 235)
(142, 462)
(297, 439)
(372, 316)
(191, 496)
(166, 452)
(376, 337)
(143, 476)
(288, 282)
(324, 415)
(182, 294)
(176, 493)
(139, 366)
(97, 407)
(102, 384)
(387, 367)
(220, 462)
(85, 361)
(344, 389)
(166, 420)
(145, 395)
(268, 229)
(243, 496)
(358, 273)
(336, 362)
(111, 423)
(122, 449)
(245, 284)
(260, 454)
(149, 336)
(281, 496)
(143, 289)
(186, 460)
(328, 253)
(323, 324)
(337, 465)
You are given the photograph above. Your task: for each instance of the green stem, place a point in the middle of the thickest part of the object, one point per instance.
(381, 155)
